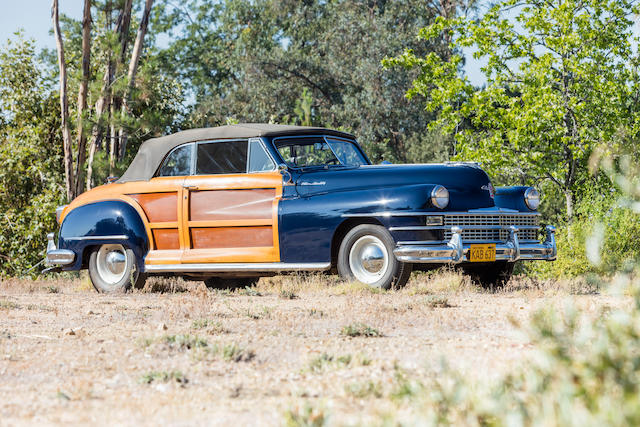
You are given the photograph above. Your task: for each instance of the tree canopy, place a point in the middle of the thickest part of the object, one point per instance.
(561, 81)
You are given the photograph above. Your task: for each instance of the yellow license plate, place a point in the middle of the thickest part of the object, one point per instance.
(482, 253)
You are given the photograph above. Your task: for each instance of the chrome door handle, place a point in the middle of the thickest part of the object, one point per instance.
(191, 187)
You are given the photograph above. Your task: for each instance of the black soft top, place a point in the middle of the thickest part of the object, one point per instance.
(152, 151)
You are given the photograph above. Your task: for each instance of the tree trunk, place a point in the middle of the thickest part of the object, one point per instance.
(101, 104)
(64, 106)
(82, 95)
(131, 74)
(112, 135)
(568, 195)
(122, 28)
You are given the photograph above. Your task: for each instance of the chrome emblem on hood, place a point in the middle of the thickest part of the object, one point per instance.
(490, 188)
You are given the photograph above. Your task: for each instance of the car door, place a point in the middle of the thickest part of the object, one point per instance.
(230, 205)
(161, 200)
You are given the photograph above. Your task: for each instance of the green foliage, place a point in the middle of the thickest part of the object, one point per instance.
(561, 80)
(307, 416)
(30, 154)
(185, 342)
(360, 330)
(325, 361)
(602, 239)
(313, 63)
(164, 376)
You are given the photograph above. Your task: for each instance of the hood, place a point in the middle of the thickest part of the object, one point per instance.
(468, 184)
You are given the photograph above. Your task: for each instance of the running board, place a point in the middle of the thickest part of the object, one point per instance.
(236, 267)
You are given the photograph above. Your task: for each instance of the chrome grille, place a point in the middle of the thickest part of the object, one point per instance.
(473, 226)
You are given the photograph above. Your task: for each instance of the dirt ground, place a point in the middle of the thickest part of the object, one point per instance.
(179, 354)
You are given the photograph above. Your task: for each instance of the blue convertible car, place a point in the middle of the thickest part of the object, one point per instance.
(230, 204)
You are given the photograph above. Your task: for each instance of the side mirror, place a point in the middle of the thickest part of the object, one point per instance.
(112, 179)
(286, 175)
(385, 162)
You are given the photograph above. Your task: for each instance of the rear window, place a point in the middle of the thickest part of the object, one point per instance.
(178, 162)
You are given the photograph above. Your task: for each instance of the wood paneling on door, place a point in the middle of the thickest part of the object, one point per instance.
(231, 237)
(232, 204)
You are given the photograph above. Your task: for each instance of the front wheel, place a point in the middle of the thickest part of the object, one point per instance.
(366, 255)
(112, 268)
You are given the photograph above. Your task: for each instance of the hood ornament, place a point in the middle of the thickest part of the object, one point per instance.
(490, 188)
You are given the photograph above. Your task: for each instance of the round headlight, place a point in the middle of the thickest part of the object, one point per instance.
(532, 198)
(440, 197)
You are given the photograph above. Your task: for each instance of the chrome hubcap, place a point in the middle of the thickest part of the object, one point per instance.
(368, 259)
(116, 262)
(111, 263)
(372, 258)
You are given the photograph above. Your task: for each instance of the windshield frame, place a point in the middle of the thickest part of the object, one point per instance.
(324, 137)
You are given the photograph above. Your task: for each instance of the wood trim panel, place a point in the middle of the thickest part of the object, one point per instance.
(231, 223)
(166, 238)
(266, 180)
(264, 254)
(159, 207)
(168, 256)
(154, 225)
(260, 185)
(210, 205)
(231, 237)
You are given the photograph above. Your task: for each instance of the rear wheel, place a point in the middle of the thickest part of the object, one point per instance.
(366, 255)
(490, 275)
(230, 283)
(112, 268)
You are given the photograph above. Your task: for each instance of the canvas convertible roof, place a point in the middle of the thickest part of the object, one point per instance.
(152, 151)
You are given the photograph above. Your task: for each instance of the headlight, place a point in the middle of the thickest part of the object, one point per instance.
(532, 198)
(440, 197)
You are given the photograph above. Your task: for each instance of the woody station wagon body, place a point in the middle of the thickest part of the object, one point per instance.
(230, 204)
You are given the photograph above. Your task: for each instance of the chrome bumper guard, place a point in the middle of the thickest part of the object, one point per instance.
(58, 256)
(455, 251)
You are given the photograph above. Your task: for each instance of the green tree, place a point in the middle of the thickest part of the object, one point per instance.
(561, 81)
(31, 184)
(273, 60)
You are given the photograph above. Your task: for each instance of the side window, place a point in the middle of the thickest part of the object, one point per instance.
(178, 162)
(222, 157)
(259, 160)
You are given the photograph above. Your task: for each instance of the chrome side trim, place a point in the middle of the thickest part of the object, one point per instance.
(441, 213)
(117, 237)
(232, 267)
(466, 227)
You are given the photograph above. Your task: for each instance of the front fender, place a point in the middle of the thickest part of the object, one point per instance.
(110, 221)
(512, 198)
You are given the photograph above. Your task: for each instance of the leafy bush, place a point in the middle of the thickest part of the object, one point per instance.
(360, 330)
(602, 239)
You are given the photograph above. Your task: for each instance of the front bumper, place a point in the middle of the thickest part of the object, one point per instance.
(456, 251)
(58, 256)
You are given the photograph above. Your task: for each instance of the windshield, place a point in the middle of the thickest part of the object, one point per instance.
(318, 151)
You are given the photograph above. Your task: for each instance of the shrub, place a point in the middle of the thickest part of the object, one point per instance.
(602, 239)
(360, 330)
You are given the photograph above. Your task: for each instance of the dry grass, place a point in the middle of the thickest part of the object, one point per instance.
(178, 353)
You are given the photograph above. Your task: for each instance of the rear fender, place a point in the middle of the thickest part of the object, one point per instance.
(95, 224)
